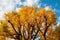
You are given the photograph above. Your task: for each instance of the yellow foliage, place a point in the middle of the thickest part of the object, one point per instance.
(28, 19)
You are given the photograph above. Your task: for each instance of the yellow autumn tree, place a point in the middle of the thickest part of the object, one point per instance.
(56, 33)
(29, 24)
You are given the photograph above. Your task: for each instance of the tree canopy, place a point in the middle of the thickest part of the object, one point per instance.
(29, 23)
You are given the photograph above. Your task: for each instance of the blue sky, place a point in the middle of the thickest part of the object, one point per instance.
(9, 5)
(54, 4)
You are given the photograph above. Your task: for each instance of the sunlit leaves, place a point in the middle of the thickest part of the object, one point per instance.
(51, 16)
(29, 20)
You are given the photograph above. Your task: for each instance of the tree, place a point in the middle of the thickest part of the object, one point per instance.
(56, 33)
(29, 23)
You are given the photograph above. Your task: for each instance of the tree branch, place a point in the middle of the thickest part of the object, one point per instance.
(37, 33)
(13, 27)
(46, 28)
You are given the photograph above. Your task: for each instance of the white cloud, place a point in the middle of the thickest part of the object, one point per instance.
(1, 15)
(17, 9)
(58, 21)
(57, 10)
(30, 2)
(58, 24)
(47, 7)
(59, 18)
(7, 5)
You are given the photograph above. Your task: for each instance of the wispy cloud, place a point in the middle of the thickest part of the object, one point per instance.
(30, 2)
(58, 21)
(47, 7)
(58, 17)
(9, 5)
